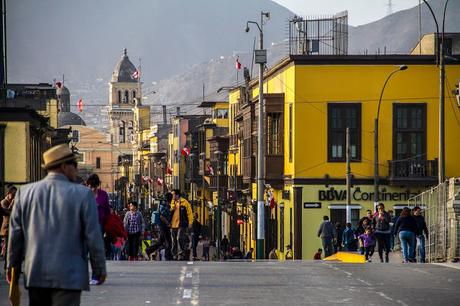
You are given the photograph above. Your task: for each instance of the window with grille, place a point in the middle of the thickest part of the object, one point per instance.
(274, 137)
(341, 116)
(409, 128)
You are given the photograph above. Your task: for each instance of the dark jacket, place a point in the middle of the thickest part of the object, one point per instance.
(406, 224)
(196, 226)
(382, 224)
(421, 225)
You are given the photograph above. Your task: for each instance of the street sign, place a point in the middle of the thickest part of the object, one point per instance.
(312, 205)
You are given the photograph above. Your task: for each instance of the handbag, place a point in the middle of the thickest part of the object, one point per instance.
(155, 219)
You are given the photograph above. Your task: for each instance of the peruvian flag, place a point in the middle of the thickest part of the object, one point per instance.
(159, 181)
(185, 151)
(80, 104)
(237, 63)
(58, 84)
(135, 74)
(210, 170)
(169, 170)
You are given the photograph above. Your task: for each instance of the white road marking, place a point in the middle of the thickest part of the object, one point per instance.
(187, 294)
(190, 263)
(147, 302)
(364, 282)
(401, 302)
(196, 287)
(385, 296)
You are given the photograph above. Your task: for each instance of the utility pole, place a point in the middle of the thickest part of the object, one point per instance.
(219, 216)
(348, 177)
(261, 59)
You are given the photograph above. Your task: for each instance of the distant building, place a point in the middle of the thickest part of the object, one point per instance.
(427, 45)
(65, 116)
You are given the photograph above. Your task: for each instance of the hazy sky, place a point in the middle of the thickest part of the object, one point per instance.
(359, 11)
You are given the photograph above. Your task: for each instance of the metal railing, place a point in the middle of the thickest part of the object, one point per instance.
(441, 213)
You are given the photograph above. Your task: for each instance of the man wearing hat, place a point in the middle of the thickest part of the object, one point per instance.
(53, 227)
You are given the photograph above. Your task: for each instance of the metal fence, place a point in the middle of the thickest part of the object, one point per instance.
(442, 221)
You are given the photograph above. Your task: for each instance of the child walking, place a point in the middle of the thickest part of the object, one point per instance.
(368, 241)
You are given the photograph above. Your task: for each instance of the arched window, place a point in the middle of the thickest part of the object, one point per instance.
(130, 131)
(126, 96)
(121, 133)
(119, 97)
(134, 94)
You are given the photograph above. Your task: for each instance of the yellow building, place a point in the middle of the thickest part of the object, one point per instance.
(28, 122)
(310, 100)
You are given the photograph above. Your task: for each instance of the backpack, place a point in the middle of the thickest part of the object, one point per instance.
(155, 218)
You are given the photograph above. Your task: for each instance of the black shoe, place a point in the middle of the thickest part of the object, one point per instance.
(386, 259)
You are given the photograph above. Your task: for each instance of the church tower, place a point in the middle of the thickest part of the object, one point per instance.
(124, 90)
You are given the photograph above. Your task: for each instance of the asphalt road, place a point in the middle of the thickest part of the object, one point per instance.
(271, 283)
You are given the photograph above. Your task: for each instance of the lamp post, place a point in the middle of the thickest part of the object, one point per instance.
(191, 156)
(219, 208)
(442, 76)
(203, 199)
(261, 59)
(376, 137)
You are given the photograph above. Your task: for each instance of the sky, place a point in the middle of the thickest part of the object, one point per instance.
(359, 11)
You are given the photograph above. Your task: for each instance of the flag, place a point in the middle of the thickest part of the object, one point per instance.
(58, 84)
(135, 74)
(237, 63)
(169, 170)
(159, 181)
(210, 170)
(80, 105)
(185, 151)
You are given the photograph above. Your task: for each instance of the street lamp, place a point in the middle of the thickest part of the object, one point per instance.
(442, 76)
(376, 137)
(218, 153)
(261, 59)
(191, 156)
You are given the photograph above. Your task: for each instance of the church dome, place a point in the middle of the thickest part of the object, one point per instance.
(63, 95)
(69, 118)
(124, 70)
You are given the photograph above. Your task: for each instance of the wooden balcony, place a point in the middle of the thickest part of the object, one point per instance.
(274, 170)
(414, 172)
(249, 169)
(238, 182)
(223, 182)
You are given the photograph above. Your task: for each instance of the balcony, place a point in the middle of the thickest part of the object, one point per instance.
(413, 172)
(249, 169)
(274, 170)
(239, 182)
(223, 182)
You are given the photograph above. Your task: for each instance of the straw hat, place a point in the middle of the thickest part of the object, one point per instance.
(57, 155)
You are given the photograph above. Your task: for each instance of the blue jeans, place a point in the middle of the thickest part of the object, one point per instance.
(421, 247)
(407, 239)
(327, 246)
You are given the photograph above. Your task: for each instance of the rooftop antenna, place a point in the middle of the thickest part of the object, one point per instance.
(390, 7)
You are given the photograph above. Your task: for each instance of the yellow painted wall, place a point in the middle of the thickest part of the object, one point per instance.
(16, 149)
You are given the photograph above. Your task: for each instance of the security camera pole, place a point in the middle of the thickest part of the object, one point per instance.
(261, 59)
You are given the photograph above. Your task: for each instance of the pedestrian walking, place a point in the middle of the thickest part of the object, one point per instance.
(381, 226)
(134, 225)
(359, 231)
(164, 225)
(338, 237)
(224, 245)
(327, 233)
(422, 232)
(196, 234)
(182, 218)
(206, 244)
(115, 230)
(348, 238)
(406, 227)
(368, 241)
(53, 228)
(6, 206)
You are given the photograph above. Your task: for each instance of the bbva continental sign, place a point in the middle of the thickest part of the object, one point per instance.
(358, 195)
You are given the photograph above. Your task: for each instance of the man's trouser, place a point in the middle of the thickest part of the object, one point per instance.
(53, 297)
(178, 242)
(195, 239)
(164, 241)
(420, 247)
(327, 246)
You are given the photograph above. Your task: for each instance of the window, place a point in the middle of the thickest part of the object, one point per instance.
(290, 133)
(340, 215)
(75, 136)
(98, 163)
(341, 116)
(409, 128)
(134, 94)
(130, 131)
(221, 114)
(121, 133)
(274, 136)
(126, 98)
(119, 96)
